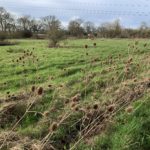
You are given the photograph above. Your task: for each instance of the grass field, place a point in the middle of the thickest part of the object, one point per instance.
(75, 97)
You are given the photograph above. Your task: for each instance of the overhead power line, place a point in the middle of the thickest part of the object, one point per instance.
(93, 12)
(85, 10)
(98, 4)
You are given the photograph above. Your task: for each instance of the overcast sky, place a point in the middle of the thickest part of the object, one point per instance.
(130, 12)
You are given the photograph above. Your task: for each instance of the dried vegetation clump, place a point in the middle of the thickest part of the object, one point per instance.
(70, 115)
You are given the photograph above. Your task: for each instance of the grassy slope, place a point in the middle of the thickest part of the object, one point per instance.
(65, 66)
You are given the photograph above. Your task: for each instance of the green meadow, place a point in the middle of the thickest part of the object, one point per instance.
(94, 98)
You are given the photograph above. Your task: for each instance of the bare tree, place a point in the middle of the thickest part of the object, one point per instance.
(53, 27)
(6, 20)
(143, 26)
(50, 22)
(35, 25)
(89, 27)
(75, 28)
(110, 29)
(117, 28)
(24, 23)
(2, 13)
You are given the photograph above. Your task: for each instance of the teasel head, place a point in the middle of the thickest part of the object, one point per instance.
(46, 113)
(110, 57)
(8, 93)
(94, 44)
(86, 46)
(76, 108)
(61, 85)
(82, 110)
(95, 106)
(133, 46)
(50, 85)
(53, 127)
(112, 78)
(73, 105)
(129, 109)
(145, 44)
(138, 65)
(89, 114)
(111, 107)
(125, 84)
(52, 78)
(88, 108)
(127, 70)
(135, 80)
(109, 69)
(130, 60)
(76, 98)
(67, 101)
(40, 91)
(33, 88)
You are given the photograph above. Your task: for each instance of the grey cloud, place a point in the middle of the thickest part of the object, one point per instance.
(132, 13)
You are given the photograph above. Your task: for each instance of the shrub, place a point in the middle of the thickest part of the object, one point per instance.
(55, 36)
(3, 36)
(26, 34)
(20, 34)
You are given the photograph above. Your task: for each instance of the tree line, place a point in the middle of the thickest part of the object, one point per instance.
(26, 26)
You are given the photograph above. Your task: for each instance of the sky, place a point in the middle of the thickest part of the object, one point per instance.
(130, 12)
